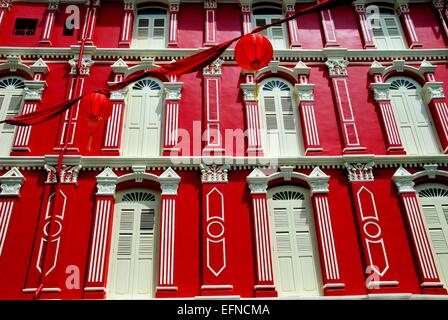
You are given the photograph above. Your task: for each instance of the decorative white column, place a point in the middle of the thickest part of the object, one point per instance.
(5, 5)
(382, 100)
(10, 184)
(293, 30)
(337, 69)
(264, 282)
(210, 7)
(100, 236)
(443, 16)
(171, 131)
(50, 17)
(366, 30)
(409, 28)
(331, 275)
(127, 24)
(33, 95)
(246, 14)
(329, 29)
(174, 11)
(212, 96)
(429, 278)
(90, 20)
(169, 183)
(253, 121)
(305, 94)
(114, 126)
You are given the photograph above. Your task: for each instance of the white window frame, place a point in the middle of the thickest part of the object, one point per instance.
(150, 42)
(413, 116)
(114, 242)
(277, 95)
(438, 202)
(268, 32)
(312, 233)
(7, 94)
(385, 31)
(125, 139)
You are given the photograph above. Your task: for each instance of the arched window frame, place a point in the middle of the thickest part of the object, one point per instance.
(171, 93)
(431, 92)
(286, 91)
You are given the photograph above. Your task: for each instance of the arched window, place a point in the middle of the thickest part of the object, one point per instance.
(386, 29)
(143, 119)
(11, 96)
(415, 124)
(276, 34)
(280, 121)
(433, 200)
(150, 28)
(294, 246)
(132, 271)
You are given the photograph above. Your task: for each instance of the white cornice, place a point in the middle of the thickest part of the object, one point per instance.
(169, 54)
(193, 163)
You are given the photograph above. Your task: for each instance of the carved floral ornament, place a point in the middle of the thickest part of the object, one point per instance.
(214, 68)
(258, 181)
(337, 67)
(68, 174)
(359, 171)
(404, 180)
(214, 173)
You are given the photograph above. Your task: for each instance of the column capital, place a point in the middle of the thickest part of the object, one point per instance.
(94, 3)
(86, 63)
(249, 93)
(5, 4)
(403, 180)
(438, 4)
(173, 90)
(214, 68)
(33, 90)
(258, 182)
(214, 173)
(432, 90)
(376, 68)
(337, 67)
(106, 182)
(129, 5)
(54, 5)
(305, 91)
(318, 181)
(402, 7)
(11, 182)
(360, 171)
(210, 4)
(169, 182)
(380, 91)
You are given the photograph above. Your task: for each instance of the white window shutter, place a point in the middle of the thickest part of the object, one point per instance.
(10, 106)
(295, 262)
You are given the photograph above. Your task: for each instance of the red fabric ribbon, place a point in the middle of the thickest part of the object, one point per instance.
(195, 62)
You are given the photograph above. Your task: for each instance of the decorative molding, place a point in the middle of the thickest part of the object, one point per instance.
(39, 66)
(302, 69)
(5, 4)
(426, 67)
(33, 90)
(210, 4)
(380, 91)
(249, 91)
(432, 90)
(68, 174)
(214, 173)
(169, 182)
(139, 172)
(305, 91)
(214, 68)
(129, 5)
(85, 66)
(11, 182)
(359, 171)
(173, 90)
(376, 68)
(119, 66)
(258, 182)
(106, 182)
(337, 67)
(13, 61)
(53, 5)
(318, 181)
(403, 180)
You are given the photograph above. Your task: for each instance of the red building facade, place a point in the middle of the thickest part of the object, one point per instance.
(322, 174)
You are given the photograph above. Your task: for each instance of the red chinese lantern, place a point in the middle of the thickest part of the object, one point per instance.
(97, 103)
(253, 52)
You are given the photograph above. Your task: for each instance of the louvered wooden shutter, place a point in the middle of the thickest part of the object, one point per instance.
(158, 32)
(143, 27)
(278, 35)
(144, 268)
(436, 218)
(123, 267)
